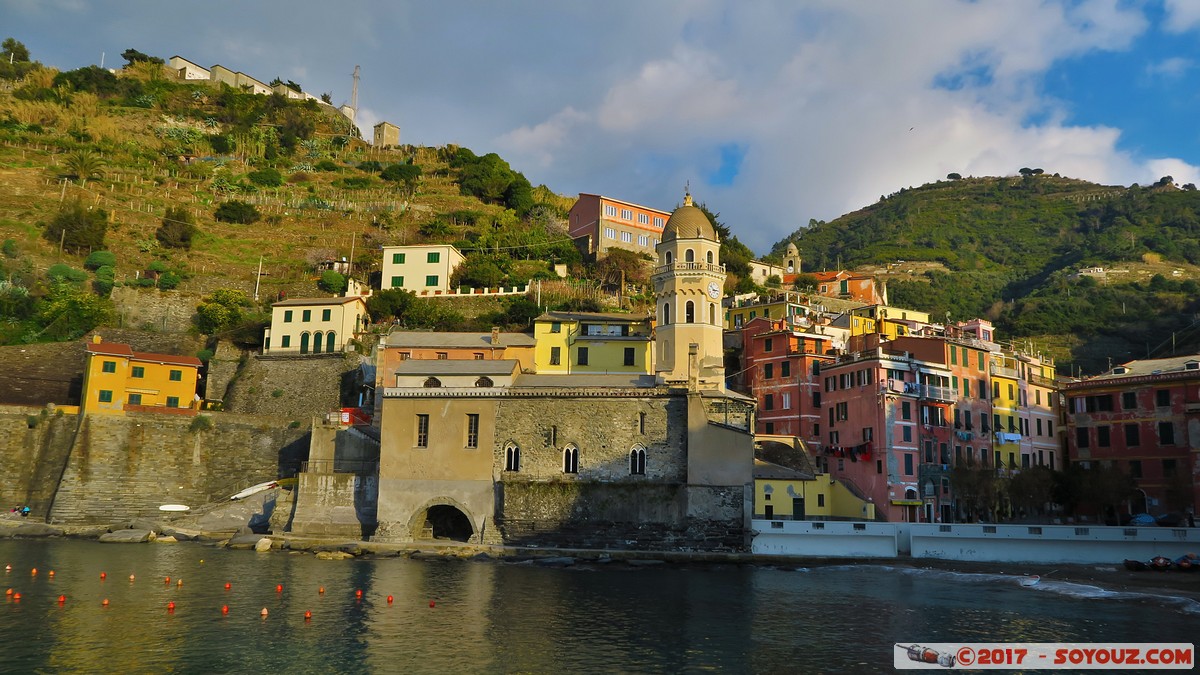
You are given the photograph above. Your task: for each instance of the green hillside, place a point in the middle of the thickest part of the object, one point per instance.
(1008, 249)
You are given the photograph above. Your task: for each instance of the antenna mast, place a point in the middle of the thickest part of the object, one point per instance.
(354, 93)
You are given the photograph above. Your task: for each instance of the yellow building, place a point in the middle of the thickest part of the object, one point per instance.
(117, 380)
(593, 342)
(896, 321)
(1006, 418)
(787, 493)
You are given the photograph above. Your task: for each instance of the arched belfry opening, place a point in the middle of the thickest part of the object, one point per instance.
(443, 521)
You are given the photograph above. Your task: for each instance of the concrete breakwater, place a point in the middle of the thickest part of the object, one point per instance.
(77, 470)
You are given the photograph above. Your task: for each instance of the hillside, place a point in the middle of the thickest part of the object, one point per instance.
(190, 185)
(1010, 249)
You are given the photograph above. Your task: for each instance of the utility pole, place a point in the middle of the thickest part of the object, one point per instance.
(101, 60)
(354, 93)
(258, 278)
(350, 266)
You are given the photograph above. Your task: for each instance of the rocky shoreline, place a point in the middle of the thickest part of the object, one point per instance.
(1108, 577)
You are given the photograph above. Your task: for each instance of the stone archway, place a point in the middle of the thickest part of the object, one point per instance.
(443, 519)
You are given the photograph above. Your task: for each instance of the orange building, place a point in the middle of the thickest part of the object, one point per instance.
(117, 380)
(599, 223)
(848, 286)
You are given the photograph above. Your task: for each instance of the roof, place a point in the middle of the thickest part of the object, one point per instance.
(1173, 364)
(456, 367)
(614, 380)
(117, 349)
(622, 201)
(434, 340)
(688, 222)
(310, 302)
(768, 471)
(593, 316)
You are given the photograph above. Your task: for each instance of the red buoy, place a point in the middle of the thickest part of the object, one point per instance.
(51, 572)
(224, 609)
(228, 585)
(389, 599)
(431, 603)
(16, 597)
(62, 599)
(321, 590)
(103, 576)
(8, 592)
(104, 602)
(358, 593)
(34, 572)
(307, 615)
(167, 580)
(278, 588)
(170, 606)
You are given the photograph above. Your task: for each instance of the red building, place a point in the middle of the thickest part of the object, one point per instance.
(1144, 418)
(780, 363)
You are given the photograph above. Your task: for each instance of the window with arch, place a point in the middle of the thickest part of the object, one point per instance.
(637, 461)
(666, 317)
(710, 257)
(512, 457)
(689, 312)
(484, 381)
(670, 258)
(689, 256)
(571, 459)
(317, 342)
(432, 382)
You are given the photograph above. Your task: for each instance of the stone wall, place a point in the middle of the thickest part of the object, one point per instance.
(126, 467)
(34, 446)
(222, 370)
(296, 387)
(335, 504)
(153, 310)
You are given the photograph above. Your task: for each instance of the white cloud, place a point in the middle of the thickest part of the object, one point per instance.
(1181, 15)
(1171, 68)
(545, 140)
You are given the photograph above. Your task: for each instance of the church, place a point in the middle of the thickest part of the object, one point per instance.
(478, 451)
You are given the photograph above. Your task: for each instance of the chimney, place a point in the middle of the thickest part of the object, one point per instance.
(495, 336)
(96, 338)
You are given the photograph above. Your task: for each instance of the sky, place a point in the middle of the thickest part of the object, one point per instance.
(771, 112)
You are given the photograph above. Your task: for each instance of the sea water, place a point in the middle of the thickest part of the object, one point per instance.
(489, 616)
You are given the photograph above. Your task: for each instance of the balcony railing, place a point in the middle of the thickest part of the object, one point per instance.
(689, 267)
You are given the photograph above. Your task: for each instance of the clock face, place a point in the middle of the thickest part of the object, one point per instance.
(714, 291)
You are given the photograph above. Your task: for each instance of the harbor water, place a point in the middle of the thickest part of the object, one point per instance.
(450, 615)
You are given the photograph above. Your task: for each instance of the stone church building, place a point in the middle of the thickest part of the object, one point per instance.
(479, 451)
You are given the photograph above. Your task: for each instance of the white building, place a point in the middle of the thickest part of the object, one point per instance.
(314, 325)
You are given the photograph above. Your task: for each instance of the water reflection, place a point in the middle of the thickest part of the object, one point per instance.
(503, 617)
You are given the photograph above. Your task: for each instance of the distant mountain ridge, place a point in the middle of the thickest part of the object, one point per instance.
(1011, 248)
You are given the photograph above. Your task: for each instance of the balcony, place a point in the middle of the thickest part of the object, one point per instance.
(1000, 371)
(926, 391)
(689, 267)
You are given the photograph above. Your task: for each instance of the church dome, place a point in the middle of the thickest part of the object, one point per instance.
(688, 222)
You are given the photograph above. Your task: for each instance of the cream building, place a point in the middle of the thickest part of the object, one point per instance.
(314, 325)
(423, 269)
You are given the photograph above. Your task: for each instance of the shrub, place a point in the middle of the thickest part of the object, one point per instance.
(332, 282)
(277, 393)
(177, 229)
(200, 423)
(10, 248)
(356, 182)
(266, 177)
(157, 266)
(103, 283)
(99, 259)
(327, 165)
(235, 211)
(168, 281)
(77, 227)
(205, 355)
(370, 166)
(63, 272)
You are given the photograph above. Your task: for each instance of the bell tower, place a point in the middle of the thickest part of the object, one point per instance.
(689, 282)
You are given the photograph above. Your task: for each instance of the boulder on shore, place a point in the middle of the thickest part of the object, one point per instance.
(263, 545)
(31, 530)
(126, 537)
(244, 542)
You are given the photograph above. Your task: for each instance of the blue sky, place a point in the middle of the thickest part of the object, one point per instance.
(773, 112)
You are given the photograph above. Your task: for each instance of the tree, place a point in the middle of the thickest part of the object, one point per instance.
(133, 56)
(177, 229)
(105, 278)
(619, 264)
(479, 271)
(83, 164)
(332, 282)
(14, 50)
(221, 311)
(1026, 171)
(406, 175)
(234, 211)
(327, 98)
(1032, 489)
(69, 311)
(78, 227)
(390, 304)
